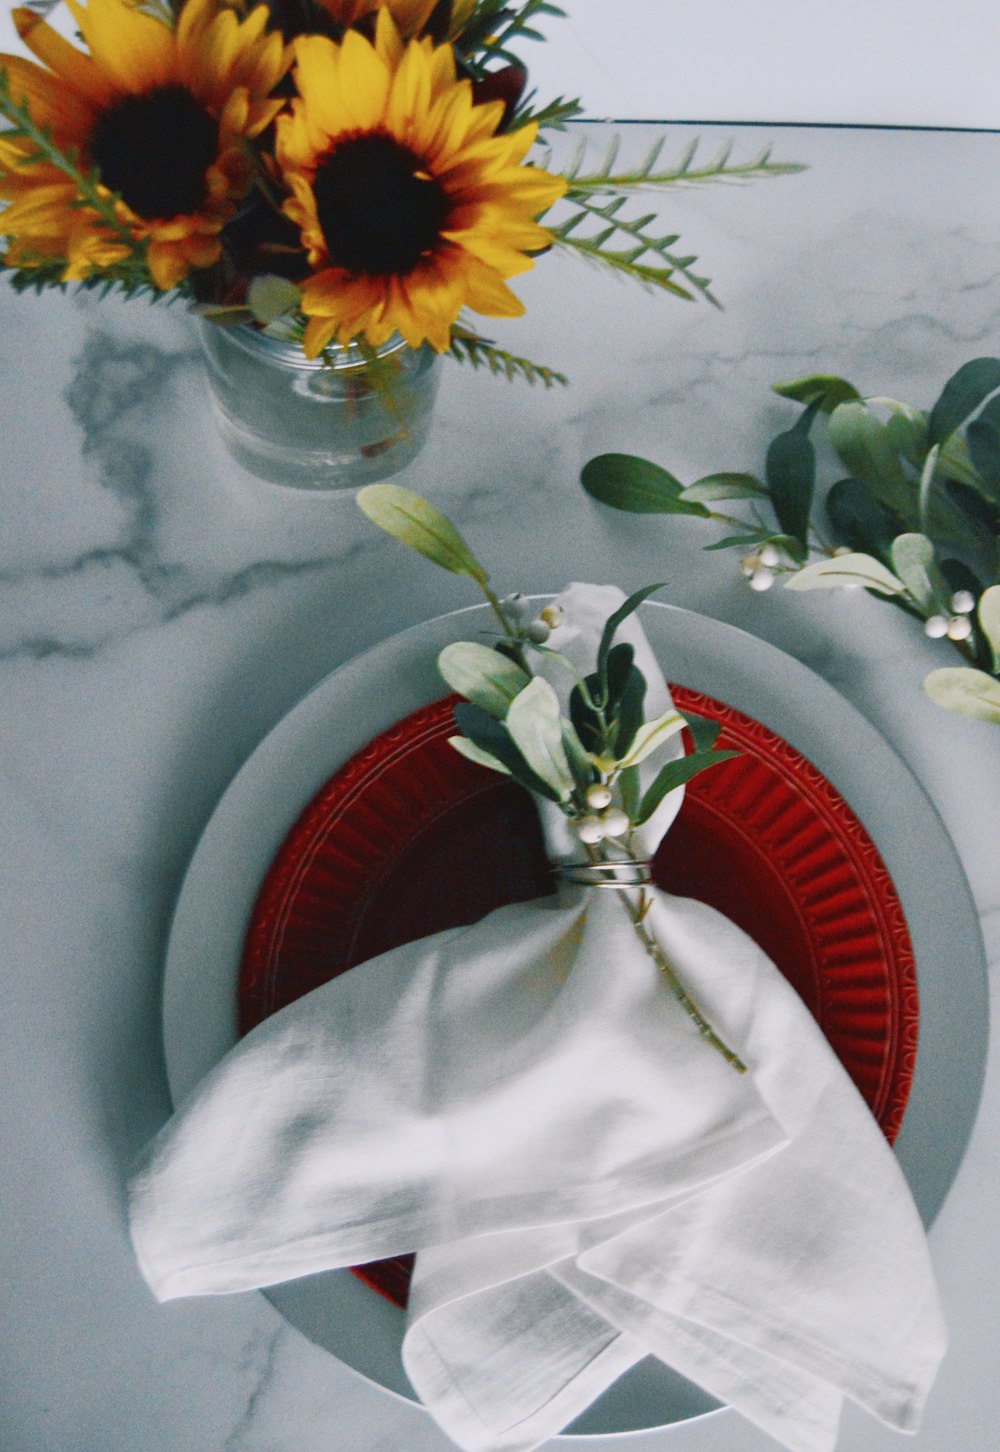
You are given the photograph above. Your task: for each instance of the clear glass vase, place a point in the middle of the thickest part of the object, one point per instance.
(314, 424)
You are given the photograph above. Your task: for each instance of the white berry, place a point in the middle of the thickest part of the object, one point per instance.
(769, 555)
(552, 616)
(761, 579)
(598, 797)
(537, 632)
(749, 563)
(936, 627)
(615, 822)
(843, 550)
(959, 627)
(590, 829)
(962, 602)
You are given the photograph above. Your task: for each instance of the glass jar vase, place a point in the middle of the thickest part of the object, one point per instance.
(333, 423)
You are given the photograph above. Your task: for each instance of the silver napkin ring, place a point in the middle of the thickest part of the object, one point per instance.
(606, 874)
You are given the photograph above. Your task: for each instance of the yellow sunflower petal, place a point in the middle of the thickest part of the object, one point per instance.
(71, 65)
(135, 51)
(51, 102)
(318, 332)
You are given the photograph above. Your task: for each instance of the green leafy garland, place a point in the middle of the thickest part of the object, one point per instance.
(510, 719)
(915, 521)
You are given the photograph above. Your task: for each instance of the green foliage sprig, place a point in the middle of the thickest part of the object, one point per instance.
(915, 520)
(510, 719)
(469, 346)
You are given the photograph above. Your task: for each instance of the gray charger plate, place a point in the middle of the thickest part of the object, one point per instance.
(367, 695)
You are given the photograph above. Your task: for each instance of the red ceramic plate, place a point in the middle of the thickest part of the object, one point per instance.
(408, 838)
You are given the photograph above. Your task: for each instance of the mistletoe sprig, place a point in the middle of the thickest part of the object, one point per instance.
(510, 719)
(915, 521)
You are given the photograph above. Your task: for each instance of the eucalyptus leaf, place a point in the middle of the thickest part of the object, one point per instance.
(724, 486)
(962, 395)
(927, 482)
(965, 690)
(270, 298)
(791, 477)
(475, 753)
(576, 754)
(482, 675)
(586, 723)
(625, 481)
(823, 388)
(759, 536)
(621, 663)
(704, 732)
(865, 524)
(627, 608)
(630, 711)
(535, 726)
(988, 615)
(493, 737)
(675, 774)
(628, 788)
(984, 450)
(869, 453)
(914, 562)
(651, 735)
(852, 569)
(418, 525)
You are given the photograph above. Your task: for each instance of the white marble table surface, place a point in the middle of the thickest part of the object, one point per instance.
(160, 611)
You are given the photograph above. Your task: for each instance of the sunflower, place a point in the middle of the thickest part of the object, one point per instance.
(162, 114)
(409, 204)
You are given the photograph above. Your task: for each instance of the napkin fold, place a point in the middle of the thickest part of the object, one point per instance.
(525, 1104)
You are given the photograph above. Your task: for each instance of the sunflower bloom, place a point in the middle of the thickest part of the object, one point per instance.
(410, 206)
(164, 116)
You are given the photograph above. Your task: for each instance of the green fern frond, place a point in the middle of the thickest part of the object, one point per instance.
(552, 117)
(500, 27)
(468, 347)
(683, 172)
(628, 260)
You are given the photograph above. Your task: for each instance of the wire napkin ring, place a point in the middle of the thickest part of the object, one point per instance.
(606, 874)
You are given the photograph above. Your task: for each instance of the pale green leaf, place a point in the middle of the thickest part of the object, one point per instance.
(724, 486)
(825, 386)
(914, 563)
(651, 735)
(965, 690)
(869, 452)
(989, 620)
(418, 525)
(270, 298)
(535, 726)
(853, 569)
(475, 753)
(482, 675)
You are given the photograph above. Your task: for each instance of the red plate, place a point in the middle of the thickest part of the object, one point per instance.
(382, 855)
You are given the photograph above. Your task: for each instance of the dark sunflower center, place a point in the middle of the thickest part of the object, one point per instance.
(377, 211)
(154, 150)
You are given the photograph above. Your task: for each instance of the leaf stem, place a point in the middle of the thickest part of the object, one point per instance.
(637, 912)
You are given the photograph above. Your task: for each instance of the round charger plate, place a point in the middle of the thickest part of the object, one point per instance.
(366, 697)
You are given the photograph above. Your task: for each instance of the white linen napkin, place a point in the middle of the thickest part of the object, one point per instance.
(525, 1104)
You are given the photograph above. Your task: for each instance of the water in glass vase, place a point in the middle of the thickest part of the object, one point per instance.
(306, 423)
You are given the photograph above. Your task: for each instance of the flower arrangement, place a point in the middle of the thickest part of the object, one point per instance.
(916, 522)
(332, 171)
(510, 720)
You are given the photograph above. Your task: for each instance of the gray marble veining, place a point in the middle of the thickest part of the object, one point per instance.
(160, 611)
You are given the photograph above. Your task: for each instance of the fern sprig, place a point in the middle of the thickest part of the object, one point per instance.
(551, 117)
(511, 26)
(469, 347)
(628, 260)
(682, 173)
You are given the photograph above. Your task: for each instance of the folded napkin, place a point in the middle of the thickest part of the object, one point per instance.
(585, 1179)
